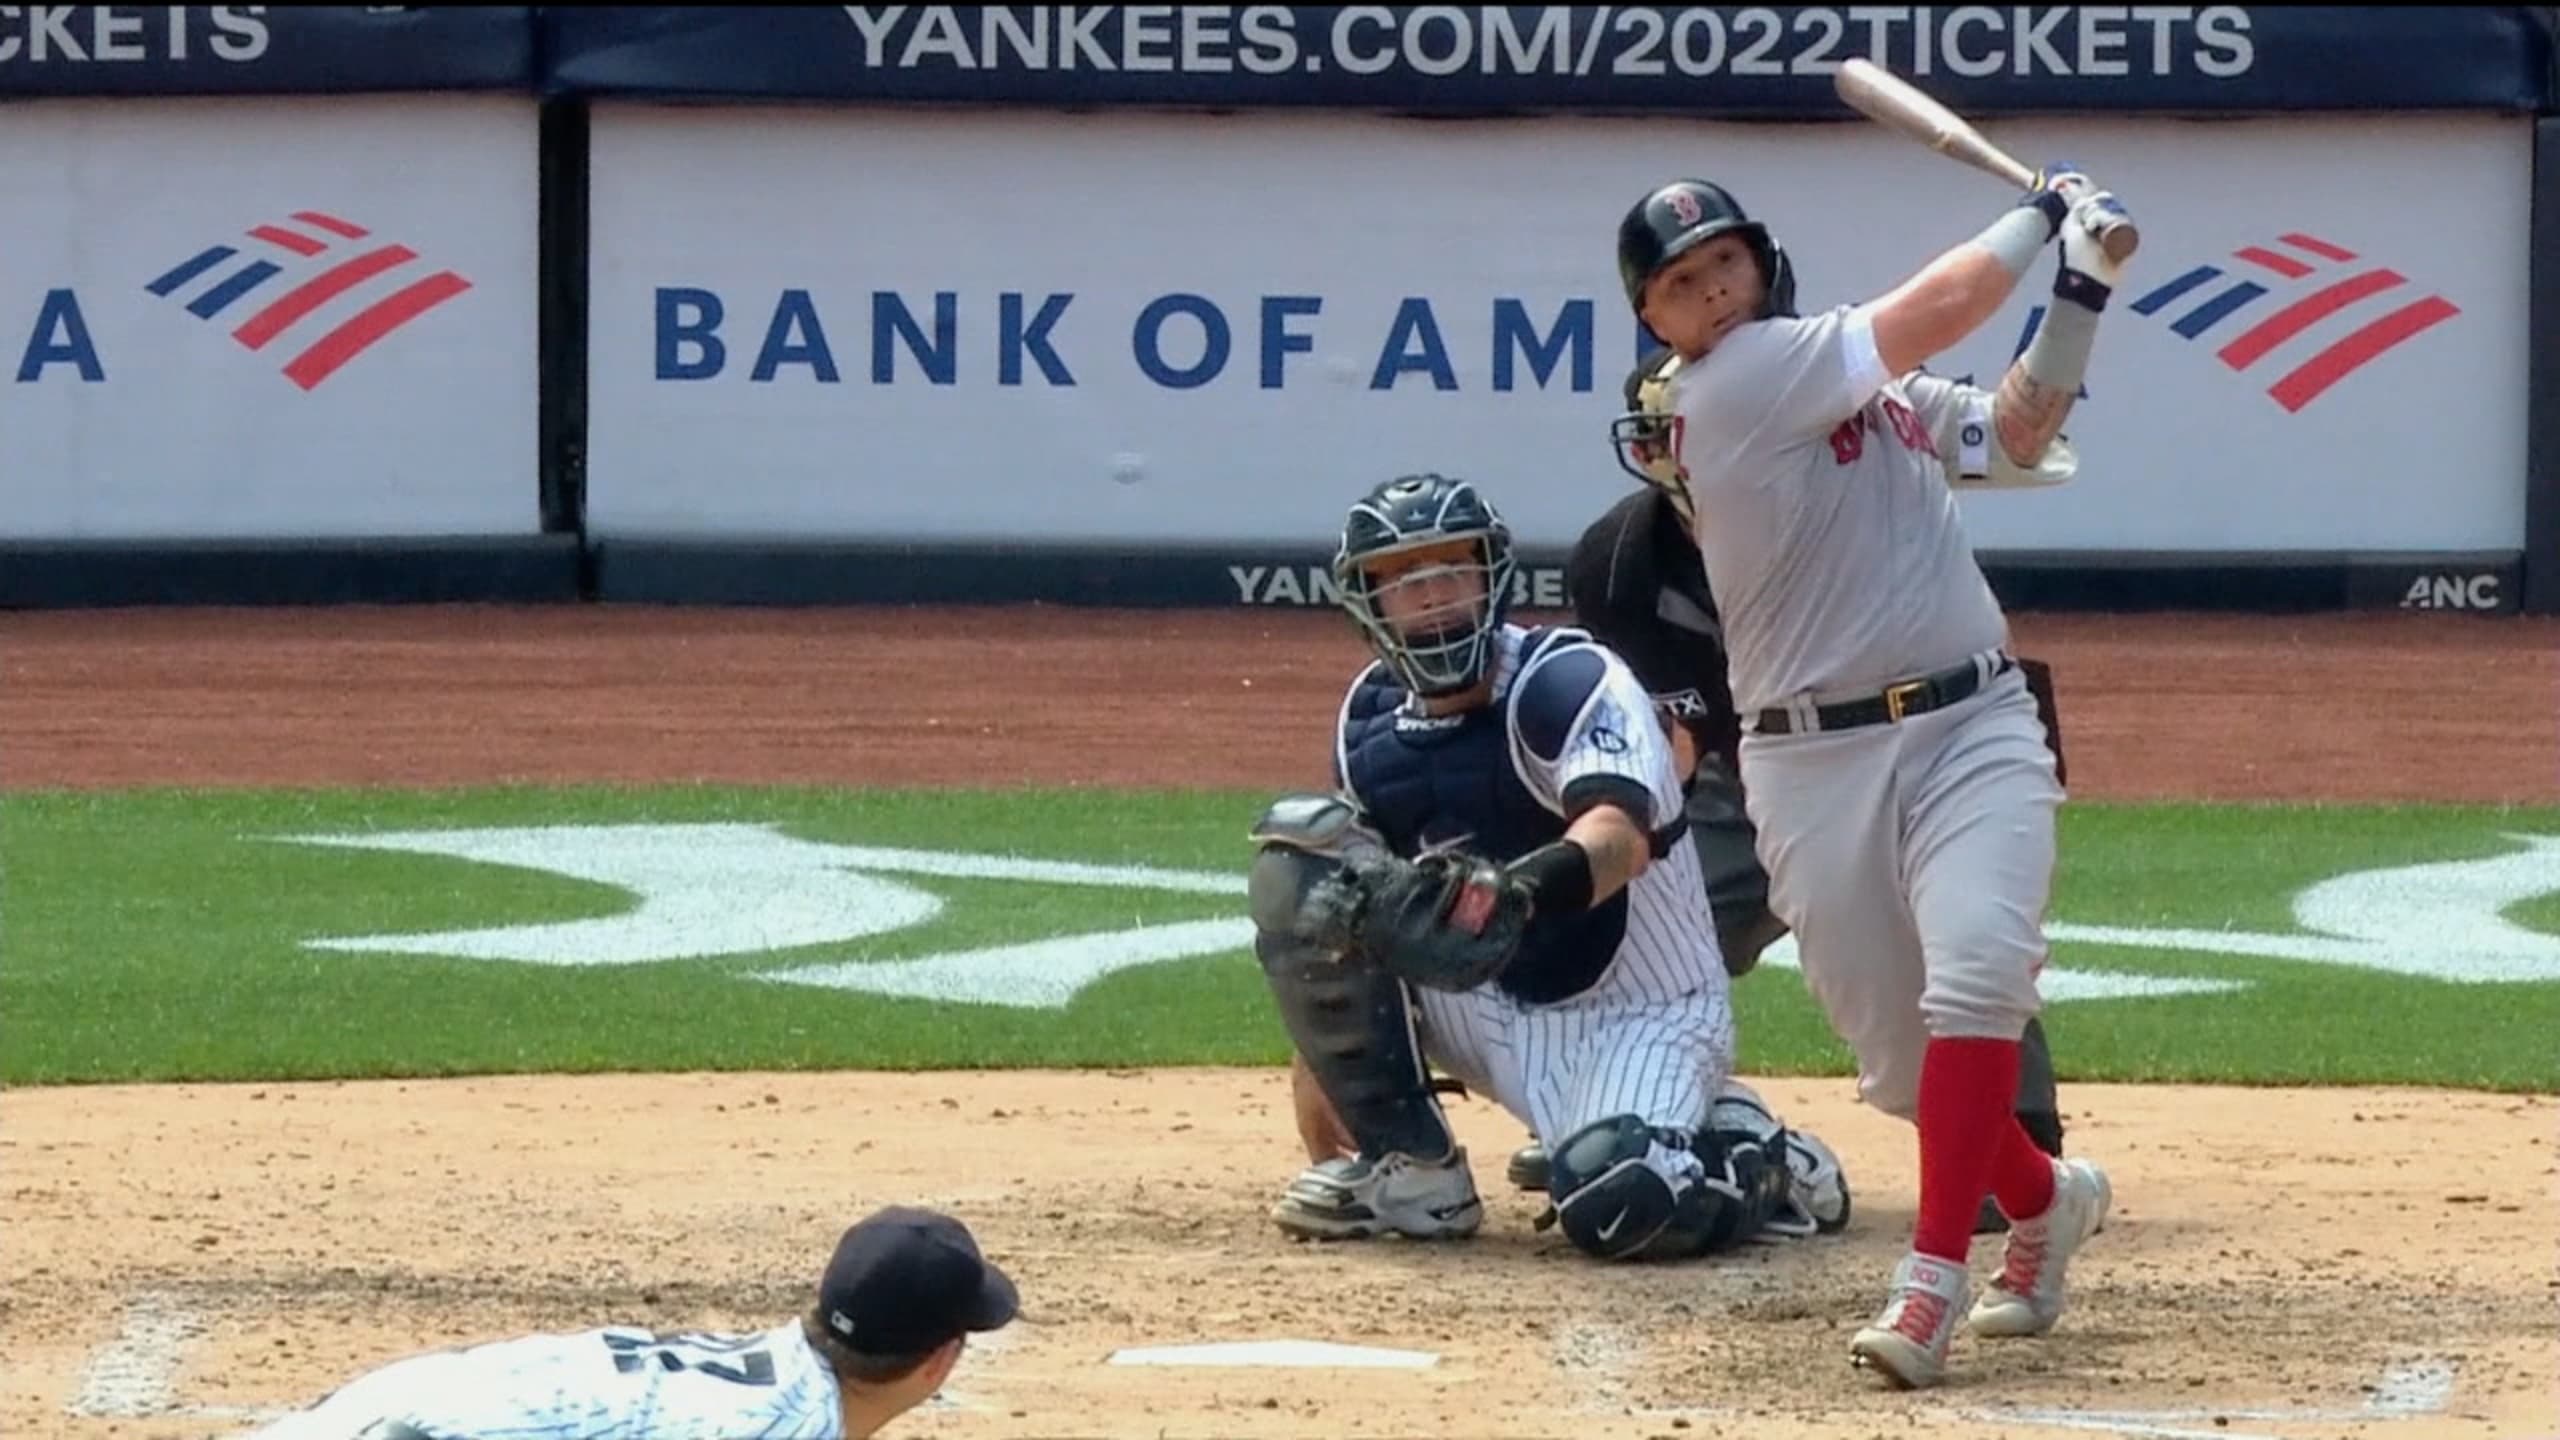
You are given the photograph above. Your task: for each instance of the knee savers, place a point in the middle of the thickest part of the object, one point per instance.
(1613, 1205)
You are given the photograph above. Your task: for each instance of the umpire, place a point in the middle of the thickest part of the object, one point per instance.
(1640, 587)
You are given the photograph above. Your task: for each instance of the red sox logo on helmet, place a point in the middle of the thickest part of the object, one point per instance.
(1685, 206)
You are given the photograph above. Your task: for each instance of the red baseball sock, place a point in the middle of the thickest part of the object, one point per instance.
(1971, 1144)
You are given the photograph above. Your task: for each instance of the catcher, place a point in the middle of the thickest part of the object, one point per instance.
(1503, 885)
(1640, 587)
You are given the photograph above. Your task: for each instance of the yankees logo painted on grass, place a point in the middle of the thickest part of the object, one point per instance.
(707, 890)
(321, 257)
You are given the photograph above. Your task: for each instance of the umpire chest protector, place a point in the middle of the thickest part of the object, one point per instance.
(1427, 781)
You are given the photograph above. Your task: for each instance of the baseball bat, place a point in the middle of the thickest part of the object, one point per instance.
(1897, 104)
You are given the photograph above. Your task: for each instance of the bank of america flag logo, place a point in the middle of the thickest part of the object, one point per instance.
(317, 257)
(2307, 280)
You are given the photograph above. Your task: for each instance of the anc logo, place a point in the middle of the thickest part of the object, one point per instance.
(2312, 280)
(312, 249)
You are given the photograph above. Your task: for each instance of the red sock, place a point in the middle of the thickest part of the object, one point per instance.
(1970, 1141)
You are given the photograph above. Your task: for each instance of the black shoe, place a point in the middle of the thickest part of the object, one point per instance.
(1989, 1220)
(1528, 1169)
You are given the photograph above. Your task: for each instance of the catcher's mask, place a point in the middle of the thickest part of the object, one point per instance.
(1439, 640)
(1642, 437)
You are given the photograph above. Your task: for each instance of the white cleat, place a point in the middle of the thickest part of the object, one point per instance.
(1359, 1198)
(1907, 1343)
(2027, 1297)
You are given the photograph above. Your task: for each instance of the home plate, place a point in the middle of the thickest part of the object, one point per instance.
(1286, 1354)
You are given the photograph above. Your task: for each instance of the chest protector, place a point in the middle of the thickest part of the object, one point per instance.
(1429, 781)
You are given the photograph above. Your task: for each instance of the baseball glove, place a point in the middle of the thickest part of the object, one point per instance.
(1448, 920)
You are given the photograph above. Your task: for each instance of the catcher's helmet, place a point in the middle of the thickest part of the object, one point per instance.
(1679, 217)
(1445, 654)
(1642, 437)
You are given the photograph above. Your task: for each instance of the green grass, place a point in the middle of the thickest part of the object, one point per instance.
(159, 935)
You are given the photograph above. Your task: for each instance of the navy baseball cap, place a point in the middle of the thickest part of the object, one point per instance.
(904, 1281)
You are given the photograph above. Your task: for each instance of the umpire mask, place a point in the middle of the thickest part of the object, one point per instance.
(1643, 438)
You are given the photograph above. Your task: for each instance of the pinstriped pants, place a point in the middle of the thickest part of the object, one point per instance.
(1598, 1055)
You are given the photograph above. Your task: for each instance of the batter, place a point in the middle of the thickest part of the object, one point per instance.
(1639, 587)
(1892, 757)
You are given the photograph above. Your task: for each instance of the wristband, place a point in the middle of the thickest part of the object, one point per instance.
(2086, 291)
(2050, 203)
(1558, 876)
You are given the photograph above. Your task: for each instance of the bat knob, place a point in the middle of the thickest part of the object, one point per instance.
(2118, 237)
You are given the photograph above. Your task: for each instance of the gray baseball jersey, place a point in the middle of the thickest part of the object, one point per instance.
(1913, 859)
(605, 1384)
(1832, 541)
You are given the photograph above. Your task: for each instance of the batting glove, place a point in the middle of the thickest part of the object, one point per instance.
(2087, 276)
(2054, 190)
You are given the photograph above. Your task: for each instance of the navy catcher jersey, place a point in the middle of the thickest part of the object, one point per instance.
(1567, 719)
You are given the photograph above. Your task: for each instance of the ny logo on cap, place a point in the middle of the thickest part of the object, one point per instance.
(1685, 205)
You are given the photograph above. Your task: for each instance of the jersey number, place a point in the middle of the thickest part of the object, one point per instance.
(693, 1350)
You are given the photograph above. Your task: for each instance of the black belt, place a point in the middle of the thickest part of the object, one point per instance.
(1893, 704)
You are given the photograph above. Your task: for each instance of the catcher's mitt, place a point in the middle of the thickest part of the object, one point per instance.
(1448, 920)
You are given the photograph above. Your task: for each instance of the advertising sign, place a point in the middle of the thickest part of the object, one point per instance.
(1124, 328)
(268, 318)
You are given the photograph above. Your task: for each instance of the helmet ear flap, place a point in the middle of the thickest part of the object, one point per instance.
(1781, 273)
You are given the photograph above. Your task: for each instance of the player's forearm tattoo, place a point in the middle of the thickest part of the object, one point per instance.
(2028, 413)
(2035, 396)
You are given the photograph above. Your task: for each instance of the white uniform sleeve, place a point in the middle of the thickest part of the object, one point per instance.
(1579, 713)
(1785, 379)
(1959, 416)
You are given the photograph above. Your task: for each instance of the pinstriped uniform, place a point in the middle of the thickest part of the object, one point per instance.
(615, 1383)
(1653, 1035)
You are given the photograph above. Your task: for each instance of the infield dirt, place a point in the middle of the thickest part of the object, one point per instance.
(2293, 1263)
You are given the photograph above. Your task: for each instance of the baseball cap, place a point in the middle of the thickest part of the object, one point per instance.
(905, 1280)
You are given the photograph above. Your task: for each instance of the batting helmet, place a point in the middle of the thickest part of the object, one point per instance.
(1433, 654)
(1679, 217)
